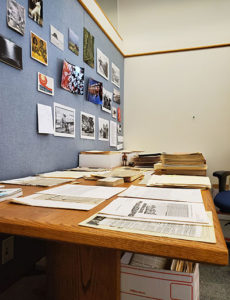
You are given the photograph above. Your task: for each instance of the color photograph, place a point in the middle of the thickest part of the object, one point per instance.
(88, 48)
(116, 96)
(45, 84)
(73, 42)
(64, 120)
(56, 38)
(10, 53)
(115, 77)
(103, 126)
(94, 91)
(16, 17)
(118, 114)
(39, 49)
(36, 11)
(107, 101)
(102, 64)
(72, 78)
(114, 112)
(87, 126)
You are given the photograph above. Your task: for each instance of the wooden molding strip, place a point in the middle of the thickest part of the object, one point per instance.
(178, 50)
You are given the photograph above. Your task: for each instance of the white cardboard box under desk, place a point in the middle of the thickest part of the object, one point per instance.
(143, 283)
(100, 160)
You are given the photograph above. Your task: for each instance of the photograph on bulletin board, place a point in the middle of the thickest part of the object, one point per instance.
(119, 128)
(115, 77)
(118, 114)
(72, 78)
(88, 48)
(56, 38)
(87, 126)
(102, 64)
(16, 17)
(73, 42)
(64, 121)
(10, 53)
(94, 91)
(114, 112)
(45, 84)
(36, 11)
(39, 49)
(107, 101)
(116, 96)
(103, 129)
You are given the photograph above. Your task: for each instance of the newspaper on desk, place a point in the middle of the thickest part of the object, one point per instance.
(82, 197)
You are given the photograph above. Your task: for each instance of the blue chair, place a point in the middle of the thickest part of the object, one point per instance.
(222, 199)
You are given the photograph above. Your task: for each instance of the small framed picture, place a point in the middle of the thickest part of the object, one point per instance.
(116, 96)
(64, 121)
(73, 42)
(39, 49)
(45, 84)
(56, 38)
(102, 64)
(16, 16)
(107, 101)
(36, 11)
(87, 126)
(72, 78)
(115, 78)
(10, 53)
(103, 126)
(94, 91)
(114, 112)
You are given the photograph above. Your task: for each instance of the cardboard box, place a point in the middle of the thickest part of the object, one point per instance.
(138, 283)
(106, 161)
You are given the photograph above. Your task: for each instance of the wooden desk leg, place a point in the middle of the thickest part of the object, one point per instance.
(77, 272)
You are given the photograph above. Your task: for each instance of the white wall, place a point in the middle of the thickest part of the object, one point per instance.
(110, 9)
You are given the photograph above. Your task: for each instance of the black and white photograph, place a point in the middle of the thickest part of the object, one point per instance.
(87, 126)
(102, 64)
(115, 77)
(114, 112)
(119, 128)
(64, 120)
(107, 101)
(116, 96)
(56, 38)
(103, 129)
(16, 17)
(36, 11)
(10, 53)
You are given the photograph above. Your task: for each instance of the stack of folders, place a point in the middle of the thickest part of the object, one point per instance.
(147, 160)
(9, 193)
(182, 164)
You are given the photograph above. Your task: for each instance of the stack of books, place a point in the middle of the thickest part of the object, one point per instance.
(145, 160)
(182, 164)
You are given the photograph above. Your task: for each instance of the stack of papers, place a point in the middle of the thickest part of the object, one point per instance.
(9, 193)
(37, 181)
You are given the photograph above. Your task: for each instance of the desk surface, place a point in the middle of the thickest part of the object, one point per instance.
(62, 225)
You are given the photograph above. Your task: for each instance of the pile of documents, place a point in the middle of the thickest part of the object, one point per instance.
(9, 193)
(182, 164)
(147, 159)
(175, 213)
(37, 181)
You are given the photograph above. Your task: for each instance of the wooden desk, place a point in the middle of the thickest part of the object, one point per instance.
(84, 263)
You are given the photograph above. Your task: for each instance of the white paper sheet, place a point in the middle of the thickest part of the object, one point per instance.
(154, 209)
(45, 119)
(170, 194)
(113, 134)
(84, 191)
(37, 181)
(120, 138)
(65, 174)
(120, 146)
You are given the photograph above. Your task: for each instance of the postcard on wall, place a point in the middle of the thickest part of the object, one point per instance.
(45, 119)
(94, 91)
(36, 11)
(114, 112)
(102, 64)
(118, 114)
(10, 53)
(88, 48)
(16, 16)
(113, 134)
(116, 96)
(73, 42)
(39, 49)
(115, 75)
(107, 101)
(45, 84)
(56, 38)
(87, 126)
(64, 120)
(72, 78)
(119, 128)
(120, 146)
(103, 129)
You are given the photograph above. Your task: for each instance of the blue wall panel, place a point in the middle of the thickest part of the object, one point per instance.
(23, 151)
